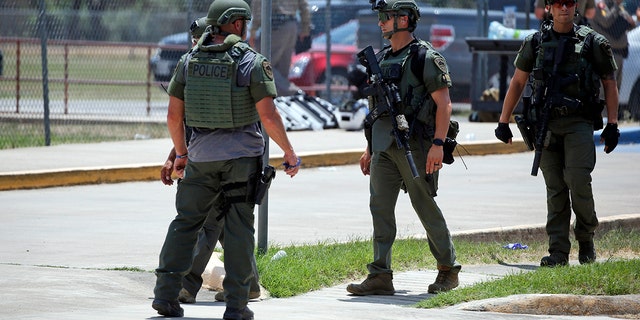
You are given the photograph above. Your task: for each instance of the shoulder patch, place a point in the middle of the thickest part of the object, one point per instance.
(266, 67)
(441, 64)
(606, 47)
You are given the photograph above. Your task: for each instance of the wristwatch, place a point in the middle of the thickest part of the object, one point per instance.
(438, 142)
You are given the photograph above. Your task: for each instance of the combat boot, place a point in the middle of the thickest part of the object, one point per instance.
(446, 280)
(555, 259)
(587, 252)
(185, 297)
(168, 308)
(238, 314)
(252, 295)
(378, 283)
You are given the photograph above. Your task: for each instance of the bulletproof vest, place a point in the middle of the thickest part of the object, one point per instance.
(216, 93)
(576, 77)
(416, 102)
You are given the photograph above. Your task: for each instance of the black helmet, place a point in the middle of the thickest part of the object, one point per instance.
(197, 27)
(227, 11)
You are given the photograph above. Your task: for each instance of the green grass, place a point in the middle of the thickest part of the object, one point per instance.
(607, 278)
(312, 267)
(31, 134)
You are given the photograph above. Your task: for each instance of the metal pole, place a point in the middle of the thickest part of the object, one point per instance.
(42, 19)
(327, 29)
(265, 49)
(527, 10)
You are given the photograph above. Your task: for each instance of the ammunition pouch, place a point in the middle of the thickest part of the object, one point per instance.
(450, 142)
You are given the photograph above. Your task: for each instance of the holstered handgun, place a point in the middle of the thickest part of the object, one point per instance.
(268, 174)
(526, 130)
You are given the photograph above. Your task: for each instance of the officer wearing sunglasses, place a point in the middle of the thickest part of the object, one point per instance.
(422, 77)
(566, 90)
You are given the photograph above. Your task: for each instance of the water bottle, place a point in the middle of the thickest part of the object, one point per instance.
(279, 255)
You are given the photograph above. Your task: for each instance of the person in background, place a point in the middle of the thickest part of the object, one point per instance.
(613, 22)
(222, 165)
(585, 11)
(569, 156)
(424, 91)
(211, 232)
(286, 30)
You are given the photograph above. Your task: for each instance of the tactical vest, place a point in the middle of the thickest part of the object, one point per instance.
(216, 93)
(406, 73)
(576, 77)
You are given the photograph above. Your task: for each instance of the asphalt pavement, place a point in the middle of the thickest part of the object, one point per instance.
(68, 249)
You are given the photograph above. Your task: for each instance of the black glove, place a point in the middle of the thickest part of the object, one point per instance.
(610, 135)
(503, 133)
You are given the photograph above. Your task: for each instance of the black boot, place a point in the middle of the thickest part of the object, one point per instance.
(556, 258)
(168, 308)
(587, 252)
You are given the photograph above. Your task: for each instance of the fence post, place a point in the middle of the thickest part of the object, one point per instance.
(66, 78)
(45, 71)
(18, 53)
(148, 81)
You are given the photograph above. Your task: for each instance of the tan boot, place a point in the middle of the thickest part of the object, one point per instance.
(446, 280)
(252, 295)
(380, 283)
(185, 297)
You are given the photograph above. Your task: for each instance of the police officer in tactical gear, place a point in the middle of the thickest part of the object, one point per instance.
(222, 165)
(211, 231)
(422, 76)
(574, 110)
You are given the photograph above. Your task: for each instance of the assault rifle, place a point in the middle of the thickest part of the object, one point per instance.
(553, 98)
(387, 97)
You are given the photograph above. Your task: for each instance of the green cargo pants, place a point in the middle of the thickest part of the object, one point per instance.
(567, 165)
(388, 171)
(203, 182)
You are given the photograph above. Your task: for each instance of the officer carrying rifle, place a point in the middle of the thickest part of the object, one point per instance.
(568, 63)
(411, 109)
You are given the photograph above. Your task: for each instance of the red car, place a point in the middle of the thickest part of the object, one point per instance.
(308, 68)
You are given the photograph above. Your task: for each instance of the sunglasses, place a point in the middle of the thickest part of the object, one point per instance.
(386, 16)
(564, 3)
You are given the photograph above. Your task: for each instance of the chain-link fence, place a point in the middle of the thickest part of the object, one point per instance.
(79, 71)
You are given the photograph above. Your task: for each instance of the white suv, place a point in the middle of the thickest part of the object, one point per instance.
(630, 86)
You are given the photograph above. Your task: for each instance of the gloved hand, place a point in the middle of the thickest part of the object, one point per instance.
(503, 133)
(610, 136)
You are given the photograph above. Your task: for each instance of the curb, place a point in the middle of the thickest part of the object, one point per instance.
(536, 232)
(147, 172)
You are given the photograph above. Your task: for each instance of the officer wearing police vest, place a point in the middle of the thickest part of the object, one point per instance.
(569, 155)
(211, 230)
(223, 89)
(423, 81)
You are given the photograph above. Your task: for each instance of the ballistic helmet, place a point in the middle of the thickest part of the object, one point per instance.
(404, 6)
(197, 27)
(227, 11)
